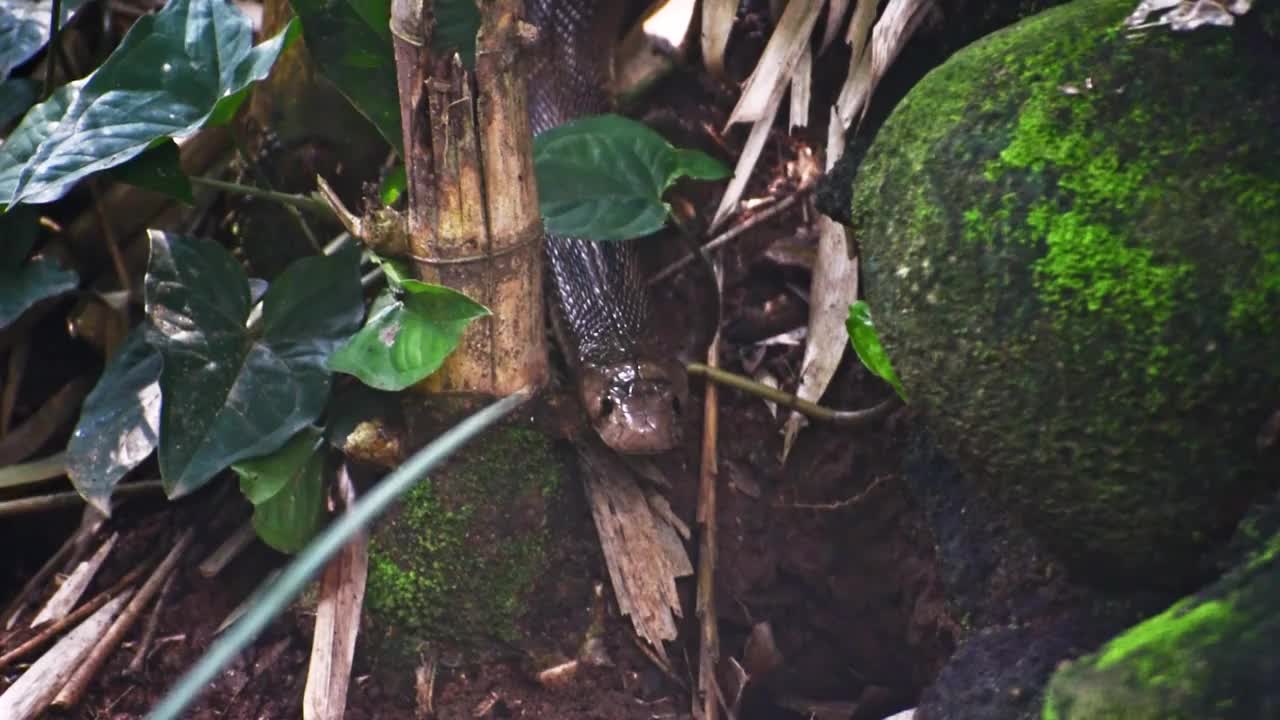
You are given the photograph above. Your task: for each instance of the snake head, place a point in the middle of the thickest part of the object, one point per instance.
(635, 406)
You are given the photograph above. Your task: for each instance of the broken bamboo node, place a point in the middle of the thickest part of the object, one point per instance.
(473, 219)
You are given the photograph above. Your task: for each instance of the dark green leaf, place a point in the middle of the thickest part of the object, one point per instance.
(36, 126)
(457, 22)
(602, 177)
(24, 283)
(17, 95)
(24, 29)
(866, 342)
(159, 169)
(287, 491)
(227, 395)
(175, 71)
(407, 339)
(350, 41)
(119, 423)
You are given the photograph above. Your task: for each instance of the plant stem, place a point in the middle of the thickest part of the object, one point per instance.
(33, 472)
(304, 202)
(847, 418)
(55, 501)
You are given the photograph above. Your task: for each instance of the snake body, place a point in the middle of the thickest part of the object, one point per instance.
(599, 303)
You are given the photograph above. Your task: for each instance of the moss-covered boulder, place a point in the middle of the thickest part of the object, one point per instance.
(455, 564)
(1071, 242)
(1213, 656)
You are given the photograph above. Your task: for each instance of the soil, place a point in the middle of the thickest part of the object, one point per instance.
(829, 552)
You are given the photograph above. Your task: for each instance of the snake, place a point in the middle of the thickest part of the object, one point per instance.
(630, 389)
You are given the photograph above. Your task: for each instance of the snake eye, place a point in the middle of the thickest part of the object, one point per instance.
(606, 406)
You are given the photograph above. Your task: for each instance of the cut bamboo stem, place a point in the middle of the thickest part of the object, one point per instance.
(473, 217)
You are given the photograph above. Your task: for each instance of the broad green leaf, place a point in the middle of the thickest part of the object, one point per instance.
(229, 395)
(24, 29)
(602, 177)
(36, 126)
(457, 22)
(350, 41)
(287, 491)
(17, 95)
(866, 342)
(186, 66)
(23, 282)
(407, 338)
(119, 423)
(159, 169)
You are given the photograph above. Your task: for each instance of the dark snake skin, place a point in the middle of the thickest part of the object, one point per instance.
(600, 307)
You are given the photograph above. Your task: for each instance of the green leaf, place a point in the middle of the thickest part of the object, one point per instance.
(23, 282)
(602, 177)
(287, 490)
(159, 169)
(17, 95)
(36, 126)
(350, 41)
(187, 66)
(24, 29)
(457, 22)
(407, 338)
(228, 395)
(393, 185)
(119, 423)
(866, 342)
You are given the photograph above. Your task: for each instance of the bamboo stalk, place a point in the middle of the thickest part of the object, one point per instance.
(473, 216)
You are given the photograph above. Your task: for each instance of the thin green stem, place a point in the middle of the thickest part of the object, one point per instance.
(303, 202)
(277, 596)
(853, 418)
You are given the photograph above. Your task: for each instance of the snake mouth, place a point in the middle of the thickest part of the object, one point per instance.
(635, 407)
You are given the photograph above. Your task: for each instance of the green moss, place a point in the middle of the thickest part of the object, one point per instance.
(1072, 251)
(1213, 655)
(465, 545)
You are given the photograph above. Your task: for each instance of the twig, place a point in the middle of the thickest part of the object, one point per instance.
(9, 396)
(74, 690)
(837, 505)
(149, 630)
(55, 628)
(111, 239)
(723, 238)
(32, 434)
(230, 548)
(301, 202)
(54, 501)
(36, 471)
(708, 692)
(68, 556)
(51, 55)
(846, 418)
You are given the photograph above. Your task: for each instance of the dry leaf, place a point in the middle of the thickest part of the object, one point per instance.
(717, 23)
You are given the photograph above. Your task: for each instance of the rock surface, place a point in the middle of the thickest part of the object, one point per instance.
(1071, 242)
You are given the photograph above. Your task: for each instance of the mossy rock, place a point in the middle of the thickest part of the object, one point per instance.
(1215, 655)
(454, 565)
(1071, 242)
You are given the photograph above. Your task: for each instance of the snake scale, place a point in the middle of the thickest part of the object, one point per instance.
(600, 309)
